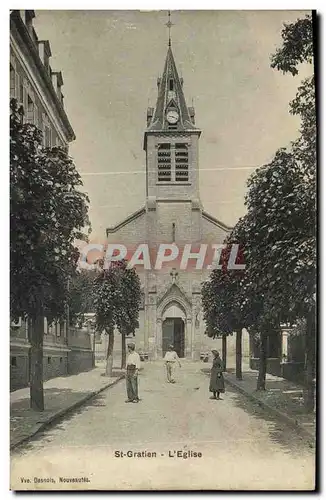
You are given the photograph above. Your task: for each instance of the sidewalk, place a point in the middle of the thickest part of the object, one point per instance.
(282, 398)
(61, 395)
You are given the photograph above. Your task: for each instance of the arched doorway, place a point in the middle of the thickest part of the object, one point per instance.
(173, 329)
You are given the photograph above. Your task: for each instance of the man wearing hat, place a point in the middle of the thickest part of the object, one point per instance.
(133, 365)
(171, 358)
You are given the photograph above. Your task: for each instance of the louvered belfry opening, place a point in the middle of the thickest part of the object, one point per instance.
(181, 163)
(164, 162)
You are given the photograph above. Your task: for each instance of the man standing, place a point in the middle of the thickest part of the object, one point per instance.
(133, 365)
(171, 358)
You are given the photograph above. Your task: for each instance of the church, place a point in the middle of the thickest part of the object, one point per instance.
(172, 213)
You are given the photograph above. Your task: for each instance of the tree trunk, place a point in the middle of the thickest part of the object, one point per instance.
(238, 354)
(109, 356)
(309, 390)
(224, 351)
(261, 381)
(94, 347)
(36, 364)
(123, 350)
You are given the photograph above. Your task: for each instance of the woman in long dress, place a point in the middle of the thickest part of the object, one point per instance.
(216, 384)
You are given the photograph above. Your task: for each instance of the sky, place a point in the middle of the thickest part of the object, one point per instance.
(110, 62)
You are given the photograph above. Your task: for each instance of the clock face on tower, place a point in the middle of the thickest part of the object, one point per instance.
(172, 116)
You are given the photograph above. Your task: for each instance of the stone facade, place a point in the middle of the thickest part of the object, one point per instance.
(172, 213)
(63, 353)
(81, 356)
(34, 83)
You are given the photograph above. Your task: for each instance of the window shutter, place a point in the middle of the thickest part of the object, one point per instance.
(12, 81)
(181, 163)
(164, 162)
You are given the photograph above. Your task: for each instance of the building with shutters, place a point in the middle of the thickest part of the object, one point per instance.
(34, 83)
(39, 88)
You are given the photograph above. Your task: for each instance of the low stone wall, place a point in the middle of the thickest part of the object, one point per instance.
(55, 364)
(80, 357)
(19, 367)
(273, 366)
(79, 338)
(59, 359)
(79, 360)
(293, 371)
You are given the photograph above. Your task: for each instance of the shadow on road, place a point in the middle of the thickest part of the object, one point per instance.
(61, 423)
(24, 421)
(280, 433)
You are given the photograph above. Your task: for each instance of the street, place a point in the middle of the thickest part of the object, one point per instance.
(178, 439)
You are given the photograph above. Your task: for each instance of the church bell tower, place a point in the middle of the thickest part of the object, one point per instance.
(173, 213)
(171, 141)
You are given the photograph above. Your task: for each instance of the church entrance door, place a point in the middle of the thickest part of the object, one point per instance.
(173, 330)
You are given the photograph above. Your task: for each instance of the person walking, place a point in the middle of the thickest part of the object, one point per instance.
(216, 384)
(133, 366)
(171, 358)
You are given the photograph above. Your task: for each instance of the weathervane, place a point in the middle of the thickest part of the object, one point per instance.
(169, 25)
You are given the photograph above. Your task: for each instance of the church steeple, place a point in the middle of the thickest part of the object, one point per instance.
(171, 142)
(171, 111)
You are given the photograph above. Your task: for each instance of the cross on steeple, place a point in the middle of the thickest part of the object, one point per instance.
(169, 25)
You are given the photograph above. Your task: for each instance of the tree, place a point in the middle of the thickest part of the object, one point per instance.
(280, 253)
(117, 298)
(223, 296)
(212, 306)
(277, 233)
(105, 291)
(47, 212)
(127, 319)
(81, 295)
(281, 202)
(298, 48)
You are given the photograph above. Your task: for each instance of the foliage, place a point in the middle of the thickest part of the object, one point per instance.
(297, 46)
(222, 296)
(281, 225)
(47, 213)
(281, 219)
(300, 328)
(281, 199)
(117, 298)
(230, 298)
(278, 232)
(81, 299)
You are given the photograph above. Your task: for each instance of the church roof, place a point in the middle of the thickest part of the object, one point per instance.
(142, 211)
(170, 95)
(127, 220)
(215, 221)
